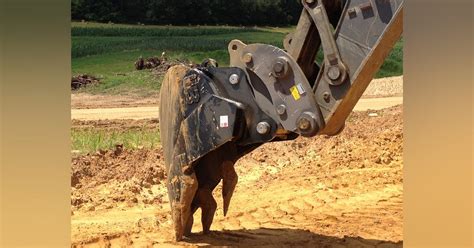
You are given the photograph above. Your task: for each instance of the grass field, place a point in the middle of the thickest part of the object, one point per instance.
(109, 51)
(91, 140)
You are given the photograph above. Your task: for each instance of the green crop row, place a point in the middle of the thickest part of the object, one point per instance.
(155, 31)
(93, 45)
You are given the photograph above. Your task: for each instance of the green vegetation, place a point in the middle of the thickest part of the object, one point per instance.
(89, 140)
(184, 12)
(117, 74)
(108, 51)
(111, 58)
(92, 45)
(94, 29)
(393, 65)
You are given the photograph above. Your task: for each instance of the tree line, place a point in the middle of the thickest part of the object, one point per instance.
(189, 12)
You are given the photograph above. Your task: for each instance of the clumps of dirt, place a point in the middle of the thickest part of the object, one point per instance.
(107, 179)
(366, 143)
(83, 80)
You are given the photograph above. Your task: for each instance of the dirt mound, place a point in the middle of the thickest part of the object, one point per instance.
(83, 80)
(122, 175)
(342, 191)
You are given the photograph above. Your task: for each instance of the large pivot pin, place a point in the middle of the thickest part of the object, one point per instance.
(307, 124)
(280, 67)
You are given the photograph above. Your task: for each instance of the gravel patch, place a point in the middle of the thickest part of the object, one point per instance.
(385, 87)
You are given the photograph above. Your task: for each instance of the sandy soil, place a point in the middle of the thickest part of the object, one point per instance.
(89, 101)
(343, 191)
(138, 113)
(385, 87)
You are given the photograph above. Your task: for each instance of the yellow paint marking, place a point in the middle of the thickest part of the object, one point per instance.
(295, 93)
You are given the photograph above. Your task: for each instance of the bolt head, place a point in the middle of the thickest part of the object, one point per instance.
(247, 58)
(263, 127)
(304, 124)
(326, 96)
(234, 79)
(334, 72)
(280, 67)
(281, 109)
(307, 124)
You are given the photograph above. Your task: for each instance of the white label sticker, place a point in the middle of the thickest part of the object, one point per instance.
(300, 89)
(224, 121)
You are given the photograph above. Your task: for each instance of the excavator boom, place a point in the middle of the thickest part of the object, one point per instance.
(210, 117)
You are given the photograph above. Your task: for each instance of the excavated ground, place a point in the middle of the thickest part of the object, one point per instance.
(343, 191)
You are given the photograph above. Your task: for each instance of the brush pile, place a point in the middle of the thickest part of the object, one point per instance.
(83, 80)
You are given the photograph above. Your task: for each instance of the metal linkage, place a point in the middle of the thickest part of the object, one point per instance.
(279, 86)
(363, 36)
(354, 50)
(367, 31)
(334, 69)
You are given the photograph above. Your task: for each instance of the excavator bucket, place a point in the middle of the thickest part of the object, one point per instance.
(181, 179)
(199, 127)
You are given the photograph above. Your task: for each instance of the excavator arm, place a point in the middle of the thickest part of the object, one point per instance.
(210, 117)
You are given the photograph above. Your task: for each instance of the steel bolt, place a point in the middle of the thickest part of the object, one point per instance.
(334, 72)
(280, 67)
(326, 96)
(247, 58)
(234, 79)
(304, 124)
(307, 124)
(281, 109)
(263, 127)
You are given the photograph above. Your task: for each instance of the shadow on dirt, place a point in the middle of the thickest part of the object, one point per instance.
(284, 237)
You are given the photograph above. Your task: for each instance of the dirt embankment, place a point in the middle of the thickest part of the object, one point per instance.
(343, 191)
